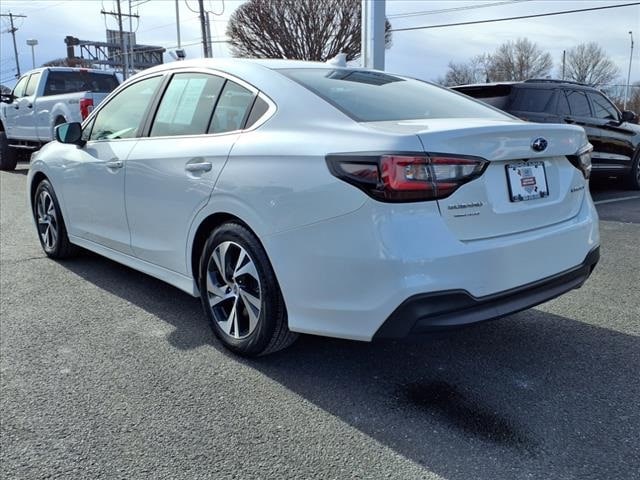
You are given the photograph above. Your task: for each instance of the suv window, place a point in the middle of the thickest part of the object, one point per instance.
(563, 104)
(232, 108)
(121, 117)
(578, 104)
(79, 81)
(32, 85)
(18, 90)
(187, 105)
(531, 99)
(603, 108)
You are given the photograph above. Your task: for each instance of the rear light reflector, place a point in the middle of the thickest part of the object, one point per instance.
(406, 177)
(86, 107)
(582, 160)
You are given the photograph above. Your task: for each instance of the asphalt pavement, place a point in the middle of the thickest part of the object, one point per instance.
(108, 373)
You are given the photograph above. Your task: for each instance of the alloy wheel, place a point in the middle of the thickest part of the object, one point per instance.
(47, 220)
(233, 289)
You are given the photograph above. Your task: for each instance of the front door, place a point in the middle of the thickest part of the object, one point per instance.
(95, 173)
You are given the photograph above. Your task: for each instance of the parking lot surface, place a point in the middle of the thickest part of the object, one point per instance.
(108, 373)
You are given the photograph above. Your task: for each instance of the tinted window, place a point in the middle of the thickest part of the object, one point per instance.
(578, 104)
(232, 108)
(375, 96)
(563, 104)
(495, 95)
(18, 90)
(121, 117)
(79, 81)
(259, 108)
(531, 99)
(32, 85)
(602, 108)
(187, 105)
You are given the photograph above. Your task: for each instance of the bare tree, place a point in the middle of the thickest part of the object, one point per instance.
(589, 63)
(520, 60)
(297, 29)
(464, 73)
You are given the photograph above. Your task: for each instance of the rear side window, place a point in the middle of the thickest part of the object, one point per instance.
(232, 108)
(563, 104)
(368, 96)
(32, 85)
(531, 99)
(187, 105)
(578, 104)
(259, 108)
(79, 81)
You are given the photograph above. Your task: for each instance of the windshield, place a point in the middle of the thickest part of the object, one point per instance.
(368, 96)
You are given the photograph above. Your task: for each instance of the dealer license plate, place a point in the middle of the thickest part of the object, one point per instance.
(527, 181)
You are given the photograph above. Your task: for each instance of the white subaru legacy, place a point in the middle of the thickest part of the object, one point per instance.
(297, 197)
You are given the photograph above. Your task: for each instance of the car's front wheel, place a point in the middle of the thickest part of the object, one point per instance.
(51, 228)
(240, 293)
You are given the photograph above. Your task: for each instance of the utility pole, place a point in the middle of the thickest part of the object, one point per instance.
(203, 27)
(209, 39)
(178, 23)
(564, 62)
(123, 51)
(12, 31)
(372, 34)
(626, 95)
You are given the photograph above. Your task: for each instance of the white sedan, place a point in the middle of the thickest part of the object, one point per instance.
(304, 197)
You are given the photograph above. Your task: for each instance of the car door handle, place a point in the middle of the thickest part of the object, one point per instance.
(17, 107)
(115, 164)
(30, 105)
(569, 120)
(198, 167)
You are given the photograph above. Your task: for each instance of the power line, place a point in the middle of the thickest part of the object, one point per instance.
(453, 9)
(564, 12)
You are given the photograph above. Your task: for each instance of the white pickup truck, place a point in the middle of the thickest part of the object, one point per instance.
(41, 100)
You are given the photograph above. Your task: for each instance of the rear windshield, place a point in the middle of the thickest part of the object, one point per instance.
(368, 96)
(495, 95)
(69, 82)
(530, 99)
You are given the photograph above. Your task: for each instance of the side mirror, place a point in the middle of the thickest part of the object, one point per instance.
(7, 98)
(629, 116)
(69, 133)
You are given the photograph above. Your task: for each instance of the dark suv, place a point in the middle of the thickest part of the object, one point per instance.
(614, 135)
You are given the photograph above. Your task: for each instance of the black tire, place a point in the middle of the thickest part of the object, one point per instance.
(59, 247)
(634, 175)
(8, 155)
(271, 332)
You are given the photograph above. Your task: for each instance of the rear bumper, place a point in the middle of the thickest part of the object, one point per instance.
(442, 310)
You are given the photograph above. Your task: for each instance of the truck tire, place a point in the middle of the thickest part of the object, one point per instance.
(8, 155)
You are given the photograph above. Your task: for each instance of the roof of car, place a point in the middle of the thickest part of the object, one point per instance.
(534, 82)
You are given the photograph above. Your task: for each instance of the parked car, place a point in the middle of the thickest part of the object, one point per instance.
(302, 197)
(41, 100)
(615, 135)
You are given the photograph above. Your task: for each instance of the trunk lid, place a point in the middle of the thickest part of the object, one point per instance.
(484, 207)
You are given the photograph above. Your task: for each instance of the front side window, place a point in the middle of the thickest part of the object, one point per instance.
(18, 90)
(232, 108)
(578, 104)
(187, 105)
(602, 108)
(368, 96)
(122, 116)
(32, 85)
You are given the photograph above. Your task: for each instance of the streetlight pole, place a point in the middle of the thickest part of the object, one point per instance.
(32, 42)
(626, 95)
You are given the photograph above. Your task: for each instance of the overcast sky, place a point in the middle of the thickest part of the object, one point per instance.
(419, 53)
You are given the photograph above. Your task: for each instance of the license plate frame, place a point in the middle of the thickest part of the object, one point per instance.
(527, 181)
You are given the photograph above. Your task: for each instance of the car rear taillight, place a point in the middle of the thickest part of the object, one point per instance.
(86, 107)
(406, 177)
(582, 160)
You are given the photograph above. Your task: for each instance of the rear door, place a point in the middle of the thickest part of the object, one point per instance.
(171, 173)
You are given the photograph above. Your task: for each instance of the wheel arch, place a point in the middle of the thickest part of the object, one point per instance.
(35, 181)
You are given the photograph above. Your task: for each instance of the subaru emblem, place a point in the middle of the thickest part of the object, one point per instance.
(539, 144)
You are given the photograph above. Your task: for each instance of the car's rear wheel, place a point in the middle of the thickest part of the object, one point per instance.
(240, 293)
(52, 232)
(8, 155)
(634, 175)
